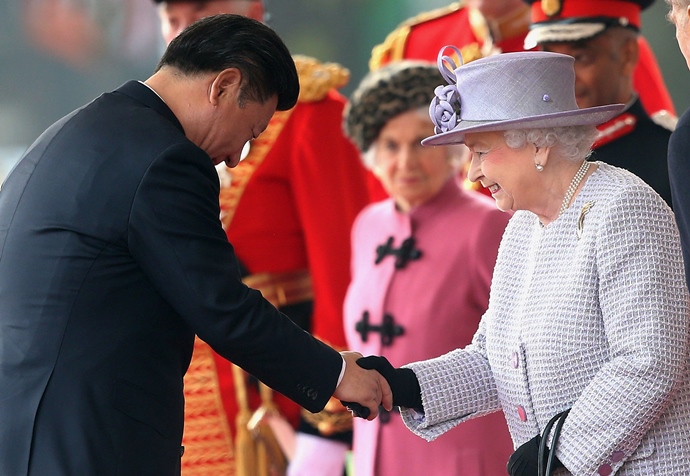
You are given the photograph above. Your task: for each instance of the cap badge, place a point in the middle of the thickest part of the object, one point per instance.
(551, 7)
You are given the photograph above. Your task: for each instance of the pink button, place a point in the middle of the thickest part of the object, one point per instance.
(522, 413)
(617, 456)
(515, 360)
(605, 470)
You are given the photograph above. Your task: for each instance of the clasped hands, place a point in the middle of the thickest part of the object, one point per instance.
(389, 387)
(362, 391)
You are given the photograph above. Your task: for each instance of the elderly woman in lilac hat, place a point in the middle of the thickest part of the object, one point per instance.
(585, 344)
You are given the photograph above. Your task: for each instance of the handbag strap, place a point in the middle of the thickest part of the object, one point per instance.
(544, 468)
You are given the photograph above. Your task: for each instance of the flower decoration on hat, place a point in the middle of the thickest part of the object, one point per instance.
(444, 109)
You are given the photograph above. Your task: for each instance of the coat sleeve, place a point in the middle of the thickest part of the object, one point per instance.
(455, 387)
(176, 237)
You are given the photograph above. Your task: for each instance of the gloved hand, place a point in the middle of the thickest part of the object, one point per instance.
(403, 382)
(525, 460)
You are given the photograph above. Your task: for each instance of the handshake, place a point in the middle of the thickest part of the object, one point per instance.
(362, 391)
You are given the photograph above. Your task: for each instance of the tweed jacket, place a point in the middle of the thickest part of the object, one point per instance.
(591, 313)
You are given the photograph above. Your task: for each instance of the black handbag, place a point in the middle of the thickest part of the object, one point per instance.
(546, 455)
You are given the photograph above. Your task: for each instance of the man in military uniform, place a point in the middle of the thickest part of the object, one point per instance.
(603, 36)
(287, 208)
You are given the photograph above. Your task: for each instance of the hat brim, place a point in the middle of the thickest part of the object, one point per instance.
(590, 116)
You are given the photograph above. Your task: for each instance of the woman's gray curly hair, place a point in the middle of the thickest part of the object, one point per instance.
(572, 143)
(385, 93)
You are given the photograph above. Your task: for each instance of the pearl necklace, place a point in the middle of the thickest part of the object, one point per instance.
(573, 186)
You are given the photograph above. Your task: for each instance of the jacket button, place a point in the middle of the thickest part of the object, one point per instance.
(605, 470)
(617, 456)
(181, 451)
(522, 413)
(515, 360)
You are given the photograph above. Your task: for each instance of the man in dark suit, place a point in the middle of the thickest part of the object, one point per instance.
(112, 257)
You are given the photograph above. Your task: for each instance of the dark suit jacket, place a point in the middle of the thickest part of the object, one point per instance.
(112, 257)
(679, 173)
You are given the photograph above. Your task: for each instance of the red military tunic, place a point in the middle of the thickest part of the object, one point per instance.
(287, 207)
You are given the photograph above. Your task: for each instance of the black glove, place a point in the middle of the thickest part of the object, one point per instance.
(403, 382)
(525, 460)
(357, 409)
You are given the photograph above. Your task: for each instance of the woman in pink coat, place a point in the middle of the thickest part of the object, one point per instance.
(422, 262)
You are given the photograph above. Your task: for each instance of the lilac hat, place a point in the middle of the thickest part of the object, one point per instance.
(526, 90)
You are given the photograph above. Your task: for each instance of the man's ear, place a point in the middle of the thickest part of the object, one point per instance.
(226, 84)
(631, 54)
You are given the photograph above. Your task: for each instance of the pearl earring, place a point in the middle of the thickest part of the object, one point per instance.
(539, 167)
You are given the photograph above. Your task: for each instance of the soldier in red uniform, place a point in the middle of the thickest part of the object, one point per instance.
(287, 208)
(603, 37)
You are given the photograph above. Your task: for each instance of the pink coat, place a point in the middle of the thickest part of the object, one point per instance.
(438, 299)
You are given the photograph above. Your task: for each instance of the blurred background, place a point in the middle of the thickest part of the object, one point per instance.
(56, 55)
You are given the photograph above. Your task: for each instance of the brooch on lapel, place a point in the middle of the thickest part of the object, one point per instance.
(581, 219)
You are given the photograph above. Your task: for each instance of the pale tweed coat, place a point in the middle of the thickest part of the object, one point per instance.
(598, 323)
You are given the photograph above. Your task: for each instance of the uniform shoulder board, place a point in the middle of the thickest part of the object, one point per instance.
(665, 119)
(393, 47)
(316, 79)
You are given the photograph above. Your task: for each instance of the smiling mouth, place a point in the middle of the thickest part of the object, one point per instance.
(493, 188)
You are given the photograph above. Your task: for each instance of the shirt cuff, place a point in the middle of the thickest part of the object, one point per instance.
(342, 372)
